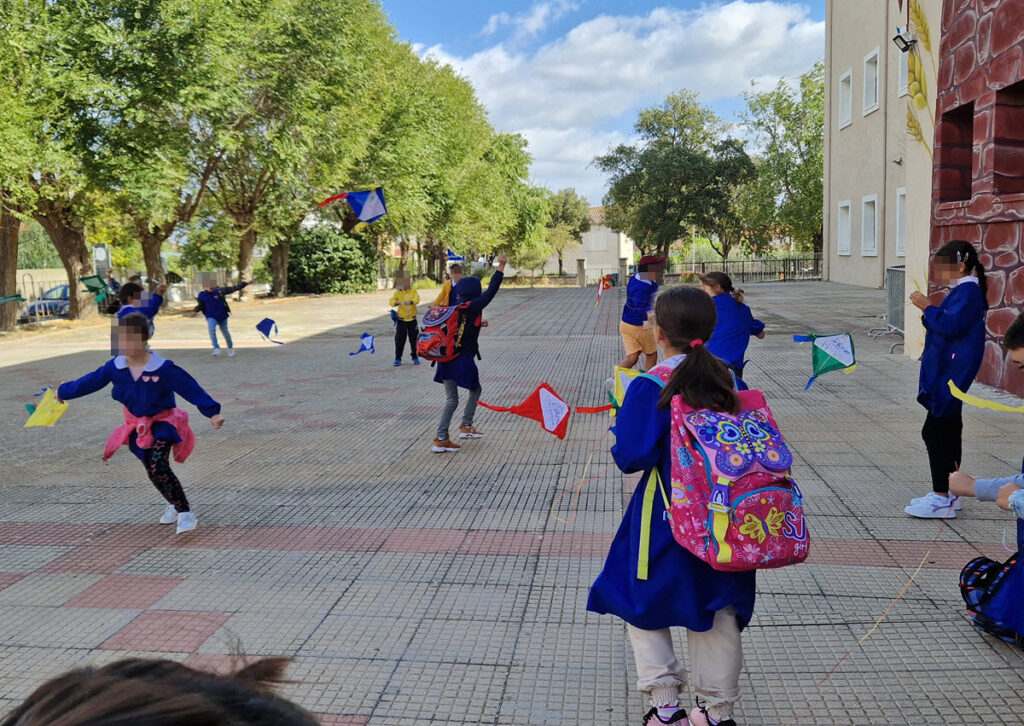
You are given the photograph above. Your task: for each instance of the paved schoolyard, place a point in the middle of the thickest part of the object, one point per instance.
(414, 588)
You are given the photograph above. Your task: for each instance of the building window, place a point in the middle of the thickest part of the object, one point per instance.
(843, 228)
(871, 82)
(901, 222)
(1009, 140)
(955, 153)
(904, 71)
(869, 226)
(846, 99)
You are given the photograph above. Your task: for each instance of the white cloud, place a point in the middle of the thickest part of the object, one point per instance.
(533, 21)
(565, 95)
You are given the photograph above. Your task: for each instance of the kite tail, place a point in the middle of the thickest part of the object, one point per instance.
(499, 409)
(334, 198)
(810, 383)
(594, 409)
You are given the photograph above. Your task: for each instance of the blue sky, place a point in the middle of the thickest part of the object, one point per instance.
(571, 74)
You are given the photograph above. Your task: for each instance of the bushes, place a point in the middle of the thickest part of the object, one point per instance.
(325, 260)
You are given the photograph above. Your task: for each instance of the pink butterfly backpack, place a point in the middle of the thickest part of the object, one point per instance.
(733, 502)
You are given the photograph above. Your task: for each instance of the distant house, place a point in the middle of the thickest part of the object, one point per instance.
(602, 247)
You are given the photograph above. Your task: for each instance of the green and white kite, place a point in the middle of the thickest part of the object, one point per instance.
(829, 353)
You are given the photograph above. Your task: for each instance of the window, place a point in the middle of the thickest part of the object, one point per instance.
(843, 228)
(904, 71)
(869, 226)
(954, 154)
(901, 222)
(1009, 138)
(846, 99)
(871, 82)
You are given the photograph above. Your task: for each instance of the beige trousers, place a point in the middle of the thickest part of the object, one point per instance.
(716, 658)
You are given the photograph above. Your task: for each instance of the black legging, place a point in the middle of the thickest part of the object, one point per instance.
(158, 467)
(942, 438)
(406, 329)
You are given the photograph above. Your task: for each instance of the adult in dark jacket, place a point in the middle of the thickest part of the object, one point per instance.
(212, 302)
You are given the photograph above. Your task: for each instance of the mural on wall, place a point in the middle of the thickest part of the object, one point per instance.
(978, 170)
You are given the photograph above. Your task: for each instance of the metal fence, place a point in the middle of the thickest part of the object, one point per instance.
(786, 268)
(895, 304)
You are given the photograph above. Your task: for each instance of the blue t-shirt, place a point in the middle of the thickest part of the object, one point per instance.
(639, 300)
(733, 330)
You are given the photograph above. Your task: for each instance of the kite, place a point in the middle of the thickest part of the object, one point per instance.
(543, 405)
(605, 283)
(368, 206)
(622, 378)
(11, 298)
(267, 328)
(366, 343)
(97, 286)
(979, 402)
(48, 412)
(829, 353)
(394, 318)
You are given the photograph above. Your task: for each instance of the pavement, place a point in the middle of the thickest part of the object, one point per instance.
(417, 588)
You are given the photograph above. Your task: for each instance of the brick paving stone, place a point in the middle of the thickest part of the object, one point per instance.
(174, 631)
(128, 592)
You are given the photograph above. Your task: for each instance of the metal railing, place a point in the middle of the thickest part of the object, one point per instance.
(743, 271)
(895, 304)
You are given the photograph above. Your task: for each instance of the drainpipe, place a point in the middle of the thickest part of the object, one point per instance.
(884, 97)
(826, 211)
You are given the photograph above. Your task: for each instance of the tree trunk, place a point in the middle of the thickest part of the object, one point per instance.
(152, 243)
(9, 228)
(560, 270)
(279, 267)
(67, 232)
(245, 249)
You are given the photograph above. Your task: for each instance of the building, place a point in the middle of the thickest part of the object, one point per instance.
(602, 248)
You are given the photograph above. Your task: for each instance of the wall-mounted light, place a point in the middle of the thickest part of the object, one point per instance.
(904, 40)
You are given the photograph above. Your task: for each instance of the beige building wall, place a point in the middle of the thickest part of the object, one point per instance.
(601, 247)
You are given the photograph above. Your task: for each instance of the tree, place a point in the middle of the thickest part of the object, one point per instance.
(787, 123)
(570, 218)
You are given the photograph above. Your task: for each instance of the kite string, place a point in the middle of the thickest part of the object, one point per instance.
(578, 487)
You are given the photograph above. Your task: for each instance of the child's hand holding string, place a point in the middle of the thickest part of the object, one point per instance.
(919, 300)
(961, 484)
(1003, 500)
(217, 421)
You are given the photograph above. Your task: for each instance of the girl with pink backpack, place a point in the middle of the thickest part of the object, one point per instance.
(649, 579)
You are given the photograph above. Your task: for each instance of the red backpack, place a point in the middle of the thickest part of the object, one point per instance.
(441, 337)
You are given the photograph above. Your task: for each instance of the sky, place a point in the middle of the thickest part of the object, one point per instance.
(570, 75)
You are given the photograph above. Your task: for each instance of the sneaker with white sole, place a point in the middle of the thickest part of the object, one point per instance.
(186, 522)
(216, 351)
(651, 718)
(957, 503)
(932, 506)
(469, 432)
(231, 352)
(170, 515)
(443, 447)
(699, 716)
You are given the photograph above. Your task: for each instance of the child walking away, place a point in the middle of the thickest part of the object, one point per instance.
(212, 302)
(637, 337)
(736, 324)
(676, 588)
(954, 345)
(133, 298)
(443, 299)
(405, 299)
(154, 426)
(462, 371)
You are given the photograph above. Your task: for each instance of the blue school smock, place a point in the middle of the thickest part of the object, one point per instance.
(733, 330)
(681, 590)
(214, 305)
(149, 310)
(639, 300)
(152, 393)
(954, 345)
(463, 369)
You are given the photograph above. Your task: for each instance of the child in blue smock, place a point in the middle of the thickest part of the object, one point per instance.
(133, 298)
(462, 372)
(954, 346)
(154, 426)
(212, 302)
(736, 324)
(680, 590)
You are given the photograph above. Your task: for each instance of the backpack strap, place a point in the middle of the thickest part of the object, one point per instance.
(654, 484)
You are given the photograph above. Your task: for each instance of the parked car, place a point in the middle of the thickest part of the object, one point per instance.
(53, 303)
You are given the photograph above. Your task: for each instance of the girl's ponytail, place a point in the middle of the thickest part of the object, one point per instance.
(979, 270)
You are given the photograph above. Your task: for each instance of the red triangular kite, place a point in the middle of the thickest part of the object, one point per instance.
(544, 406)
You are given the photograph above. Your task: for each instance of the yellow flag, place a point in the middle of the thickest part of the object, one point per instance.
(48, 412)
(978, 402)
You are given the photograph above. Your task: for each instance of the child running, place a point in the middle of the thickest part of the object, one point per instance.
(954, 345)
(736, 324)
(405, 299)
(212, 302)
(681, 590)
(133, 298)
(462, 372)
(145, 384)
(637, 338)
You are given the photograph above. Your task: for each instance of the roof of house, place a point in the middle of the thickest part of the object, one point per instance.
(596, 215)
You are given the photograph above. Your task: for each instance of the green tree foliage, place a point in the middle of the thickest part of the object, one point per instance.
(326, 260)
(787, 123)
(570, 218)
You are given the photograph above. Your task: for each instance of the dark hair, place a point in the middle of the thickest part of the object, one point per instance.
(137, 279)
(720, 279)
(960, 250)
(1014, 337)
(685, 314)
(145, 692)
(453, 268)
(128, 292)
(137, 322)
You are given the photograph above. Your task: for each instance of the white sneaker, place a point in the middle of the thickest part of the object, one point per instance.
(231, 352)
(186, 522)
(957, 504)
(932, 506)
(170, 515)
(216, 351)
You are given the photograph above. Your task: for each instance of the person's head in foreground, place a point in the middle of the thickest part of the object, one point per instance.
(1013, 342)
(138, 692)
(130, 335)
(717, 283)
(684, 317)
(956, 260)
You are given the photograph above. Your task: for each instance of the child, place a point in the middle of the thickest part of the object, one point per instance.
(954, 345)
(132, 298)
(681, 590)
(462, 372)
(636, 337)
(212, 302)
(735, 321)
(405, 299)
(146, 383)
(147, 692)
(444, 297)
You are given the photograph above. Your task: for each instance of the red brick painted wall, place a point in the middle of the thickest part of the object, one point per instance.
(978, 179)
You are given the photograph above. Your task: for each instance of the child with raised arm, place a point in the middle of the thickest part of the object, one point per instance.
(212, 302)
(154, 427)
